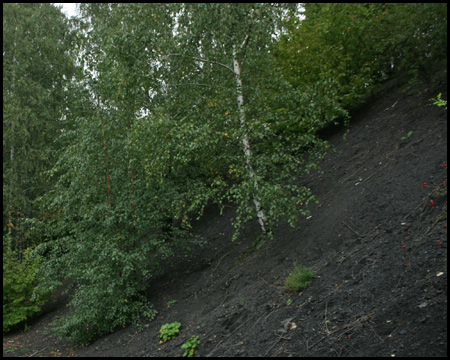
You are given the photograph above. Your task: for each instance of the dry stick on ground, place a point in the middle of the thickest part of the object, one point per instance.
(345, 257)
(277, 287)
(376, 172)
(258, 319)
(424, 204)
(218, 263)
(276, 342)
(413, 250)
(360, 320)
(408, 266)
(227, 336)
(38, 351)
(282, 349)
(357, 233)
(270, 314)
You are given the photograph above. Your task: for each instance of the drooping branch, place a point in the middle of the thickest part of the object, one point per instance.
(206, 60)
(198, 84)
(214, 62)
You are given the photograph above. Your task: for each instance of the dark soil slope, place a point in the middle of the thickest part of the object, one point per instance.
(377, 241)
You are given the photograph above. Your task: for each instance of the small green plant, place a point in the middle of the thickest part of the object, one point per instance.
(439, 102)
(299, 278)
(169, 331)
(171, 303)
(191, 346)
(408, 135)
(288, 302)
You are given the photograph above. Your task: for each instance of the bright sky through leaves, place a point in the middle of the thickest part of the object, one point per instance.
(70, 9)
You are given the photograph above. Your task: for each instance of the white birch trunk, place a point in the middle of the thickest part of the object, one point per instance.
(245, 141)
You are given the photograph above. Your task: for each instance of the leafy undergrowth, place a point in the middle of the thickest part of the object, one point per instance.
(377, 243)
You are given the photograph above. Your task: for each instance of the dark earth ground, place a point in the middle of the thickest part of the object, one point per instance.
(379, 250)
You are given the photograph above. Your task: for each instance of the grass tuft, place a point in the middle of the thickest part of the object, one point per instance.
(299, 278)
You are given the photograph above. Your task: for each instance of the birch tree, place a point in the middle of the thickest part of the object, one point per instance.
(227, 48)
(215, 106)
(245, 136)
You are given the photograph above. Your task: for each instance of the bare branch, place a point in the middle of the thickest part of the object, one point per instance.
(214, 62)
(245, 42)
(198, 84)
(206, 60)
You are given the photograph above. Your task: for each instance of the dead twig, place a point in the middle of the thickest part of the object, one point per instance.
(357, 233)
(274, 286)
(352, 324)
(258, 319)
(227, 336)
(218, 263)
(376, 172)
(276, 342)
(345, 257)
(38, 351)
(270, 314)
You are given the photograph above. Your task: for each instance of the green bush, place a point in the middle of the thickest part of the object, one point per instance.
(191, 346)
(19, 280)
(107, 282)
(299, 278)
(99, 309)
(169, 331)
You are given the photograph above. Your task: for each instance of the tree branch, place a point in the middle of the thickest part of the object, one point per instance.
(245, 42)
(206, 60)
(214, 62)
(197, 84)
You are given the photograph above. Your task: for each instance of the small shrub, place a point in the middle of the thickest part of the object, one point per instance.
(19, 281)
(171, 303)
(439, 102)
(299, 278)
(191, 346)
(108, 287)
(169, 331)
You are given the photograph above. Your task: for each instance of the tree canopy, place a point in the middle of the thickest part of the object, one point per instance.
(37, 66)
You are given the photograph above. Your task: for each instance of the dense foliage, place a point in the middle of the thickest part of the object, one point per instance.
(359, 45)
(19, 280)
(37, 66)
(159, 110)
